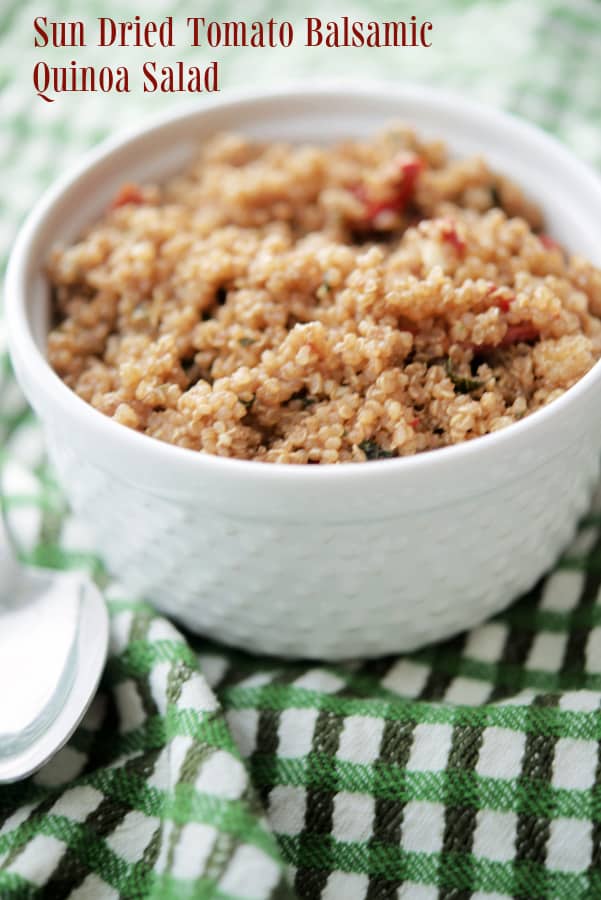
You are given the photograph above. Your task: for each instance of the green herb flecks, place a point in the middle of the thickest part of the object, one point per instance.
(461, 384)
(373, 450)
(246, 341)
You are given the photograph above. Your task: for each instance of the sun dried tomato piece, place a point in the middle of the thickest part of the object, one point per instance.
(410, 170)
(450, 235)
(127, 193)
(504, 301)
(371, 208)
(549, 243)
(400, 195)
(524, 332)
(411, 167)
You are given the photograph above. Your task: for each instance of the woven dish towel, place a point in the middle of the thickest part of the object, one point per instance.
(469, 769)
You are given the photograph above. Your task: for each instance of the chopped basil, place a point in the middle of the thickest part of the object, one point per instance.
(246, 341)
(462, 385)
(373, 450)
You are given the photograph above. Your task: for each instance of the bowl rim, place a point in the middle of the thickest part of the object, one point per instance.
(129, 442)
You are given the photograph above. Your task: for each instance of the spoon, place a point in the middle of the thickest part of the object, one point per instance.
(53, 645)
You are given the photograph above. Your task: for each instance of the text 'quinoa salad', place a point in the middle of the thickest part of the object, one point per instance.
(304, 304)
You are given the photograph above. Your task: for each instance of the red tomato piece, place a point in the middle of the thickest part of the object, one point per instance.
(127, 193)
(449, 234)
(548, 242)
(525, 332)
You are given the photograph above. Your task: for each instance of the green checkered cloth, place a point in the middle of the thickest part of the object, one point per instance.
(468, 769)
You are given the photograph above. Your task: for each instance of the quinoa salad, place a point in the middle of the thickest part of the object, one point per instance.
(305, 304)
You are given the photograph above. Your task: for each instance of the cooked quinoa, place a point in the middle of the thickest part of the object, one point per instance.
(302, 304)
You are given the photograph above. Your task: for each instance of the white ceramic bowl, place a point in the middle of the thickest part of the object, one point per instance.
(333, 561)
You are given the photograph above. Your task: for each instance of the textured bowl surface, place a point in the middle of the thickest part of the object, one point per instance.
(355, 559)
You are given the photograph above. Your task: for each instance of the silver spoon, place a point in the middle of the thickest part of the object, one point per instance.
(53, 645)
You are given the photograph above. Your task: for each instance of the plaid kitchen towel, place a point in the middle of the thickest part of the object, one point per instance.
(468, 769)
